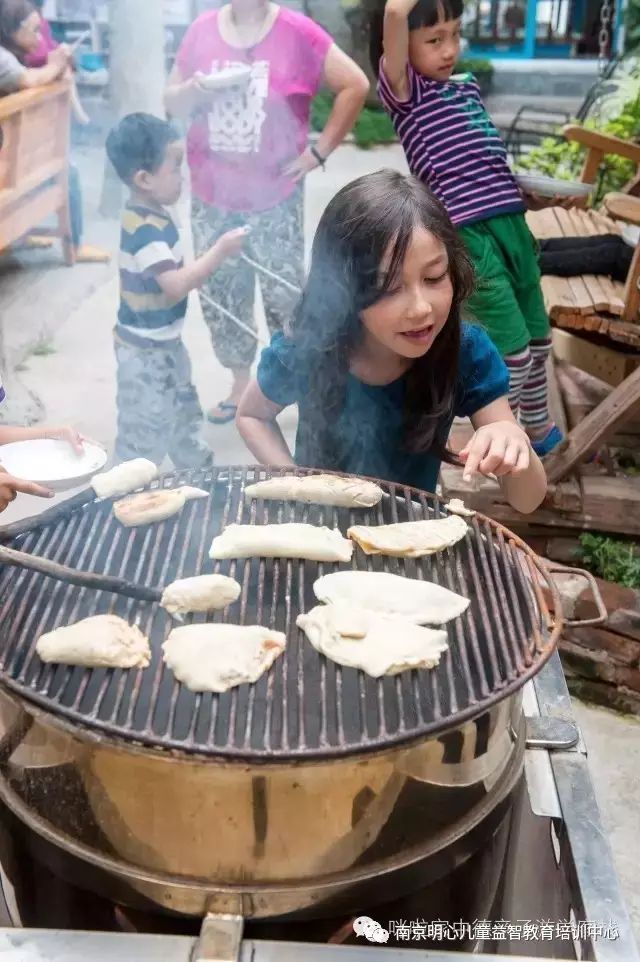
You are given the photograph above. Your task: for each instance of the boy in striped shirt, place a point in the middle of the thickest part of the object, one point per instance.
(159, 411)
(452, 145)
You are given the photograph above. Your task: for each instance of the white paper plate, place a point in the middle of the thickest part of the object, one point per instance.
(551, 187)
(233, 76)
(52, 463)
(631, 235)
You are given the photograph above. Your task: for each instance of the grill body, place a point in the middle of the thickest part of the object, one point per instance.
(304, 793)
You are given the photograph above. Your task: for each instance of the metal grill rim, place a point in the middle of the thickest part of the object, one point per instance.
(492, 652)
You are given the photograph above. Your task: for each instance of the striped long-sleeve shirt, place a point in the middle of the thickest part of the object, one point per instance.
(149, 245)
(452, 145)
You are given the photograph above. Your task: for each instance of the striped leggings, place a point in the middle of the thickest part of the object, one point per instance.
(528, 389)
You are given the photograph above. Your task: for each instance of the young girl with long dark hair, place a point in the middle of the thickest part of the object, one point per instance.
(377, 359)
(452, 145)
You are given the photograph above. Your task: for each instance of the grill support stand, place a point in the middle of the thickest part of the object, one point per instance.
(220, 939)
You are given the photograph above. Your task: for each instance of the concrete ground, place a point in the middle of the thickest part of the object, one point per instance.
(75, 380)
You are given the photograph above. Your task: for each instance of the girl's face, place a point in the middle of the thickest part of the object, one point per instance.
(411, 314)
(434, 51)
(28, 35)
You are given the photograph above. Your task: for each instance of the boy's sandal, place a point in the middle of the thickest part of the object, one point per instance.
(228, 413)
(88, 254)
(546, 445)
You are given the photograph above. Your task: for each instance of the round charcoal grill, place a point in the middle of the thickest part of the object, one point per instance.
(398, 778)
(306, 705)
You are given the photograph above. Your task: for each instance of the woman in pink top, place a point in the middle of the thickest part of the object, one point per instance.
(248, 154)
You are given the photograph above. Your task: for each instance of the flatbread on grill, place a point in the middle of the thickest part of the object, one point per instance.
(217, 657)
(318, 489)
(150, 506)
(410, 539)
(305, 541)
(103, 641)
(421, 602)
(377, 644)
(203, 593)
(124, 478)
(457, 506)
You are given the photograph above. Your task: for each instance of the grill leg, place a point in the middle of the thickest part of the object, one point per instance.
(220, 939)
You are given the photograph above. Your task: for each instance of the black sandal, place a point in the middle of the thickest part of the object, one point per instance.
(225, 418)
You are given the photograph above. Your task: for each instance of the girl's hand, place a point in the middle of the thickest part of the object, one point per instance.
(10, 486)
(70, 435)
(500, 448)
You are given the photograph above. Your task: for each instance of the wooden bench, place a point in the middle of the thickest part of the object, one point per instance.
(589, 302)
(34, 163)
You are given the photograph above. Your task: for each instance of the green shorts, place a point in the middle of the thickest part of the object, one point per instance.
(508, 300)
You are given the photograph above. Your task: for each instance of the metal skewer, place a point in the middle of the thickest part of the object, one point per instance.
(236, 320)
(268, 273)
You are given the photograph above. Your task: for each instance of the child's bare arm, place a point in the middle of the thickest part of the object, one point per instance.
(257, 424)
(396, 44)
(500, 447)
(10, 434)
(176, 284)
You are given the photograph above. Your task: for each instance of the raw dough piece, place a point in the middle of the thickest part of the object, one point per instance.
(150, 506)
(304, 541)
(103, 641)
(456, 506)
(378, 644)
(218, 657)
(421, 602)
(410, 539)
(124, 478)
(203, 593)
(318, 489)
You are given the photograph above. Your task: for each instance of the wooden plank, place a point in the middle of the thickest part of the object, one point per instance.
(558, 295)
(596, 427)
(543, 224)
(631, 312)
(581, 298)
(596, 292)
(567, 494)
(576, 223)
(614, 291)
(611, 504)
(602, 362)
(623, 207)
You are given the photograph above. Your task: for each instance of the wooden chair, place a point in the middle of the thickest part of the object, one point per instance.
(34, 163)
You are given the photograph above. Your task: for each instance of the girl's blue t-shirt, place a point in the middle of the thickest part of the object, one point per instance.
(369, 432)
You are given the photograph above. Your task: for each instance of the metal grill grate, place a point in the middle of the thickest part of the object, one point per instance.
(306, 705)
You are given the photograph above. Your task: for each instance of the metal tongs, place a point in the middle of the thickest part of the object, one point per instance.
(73, 576)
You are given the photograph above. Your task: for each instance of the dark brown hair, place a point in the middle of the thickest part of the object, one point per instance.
(13, 13)
(371, 216)
(426, 13)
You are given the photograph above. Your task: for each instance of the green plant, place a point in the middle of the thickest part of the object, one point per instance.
(43, 347)
(477, 66)
(373, 126)
(558, 158)
(611, 559)
(632, 32)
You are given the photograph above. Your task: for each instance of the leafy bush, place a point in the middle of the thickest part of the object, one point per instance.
(373, 126)
(611, 559)
(558, 158)
(478, 67)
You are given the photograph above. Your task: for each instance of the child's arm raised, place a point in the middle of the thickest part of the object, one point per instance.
(257, 424)
(500, 447)
(396, 45)
(177, 283)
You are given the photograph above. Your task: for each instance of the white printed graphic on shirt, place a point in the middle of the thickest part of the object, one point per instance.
(237, 115)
